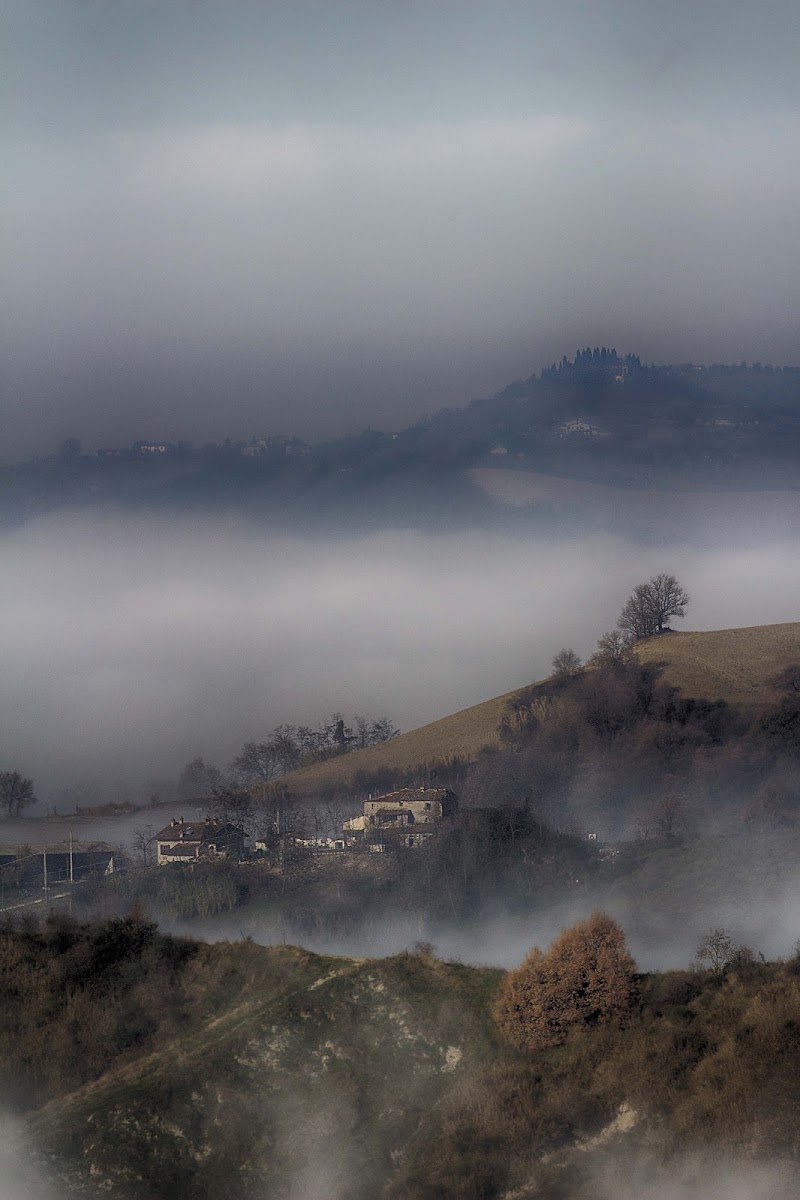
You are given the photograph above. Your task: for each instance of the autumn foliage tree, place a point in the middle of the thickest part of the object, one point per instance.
(586, 978)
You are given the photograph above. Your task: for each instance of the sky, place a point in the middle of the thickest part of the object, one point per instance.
(294, 217)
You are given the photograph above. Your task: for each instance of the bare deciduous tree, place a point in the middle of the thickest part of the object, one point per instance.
(614, 649)
(234, 807)
(143, 846)
(335, 812)
(566, 664)
(16, 792)
(716, 949)
(254, 768)
(276, 809)
(651, 605)
(382, 730)
(198, 779)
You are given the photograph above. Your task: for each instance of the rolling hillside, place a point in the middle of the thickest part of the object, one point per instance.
(460, 735)
(726, 664)
(288, 1074)
(283, 1074)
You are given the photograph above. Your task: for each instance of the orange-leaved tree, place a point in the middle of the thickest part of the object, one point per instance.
(586, 978)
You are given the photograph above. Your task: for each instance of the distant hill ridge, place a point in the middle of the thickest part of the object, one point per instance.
(734, 665)
(599, 418)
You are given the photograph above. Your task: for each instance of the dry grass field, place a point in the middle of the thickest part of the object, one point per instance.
(725, 664)
(461, 735)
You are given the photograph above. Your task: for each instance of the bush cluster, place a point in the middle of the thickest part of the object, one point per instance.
(586, 978)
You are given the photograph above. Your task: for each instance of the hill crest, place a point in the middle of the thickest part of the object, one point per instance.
(734, 665)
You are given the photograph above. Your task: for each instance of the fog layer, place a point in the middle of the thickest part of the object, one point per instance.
(132, 644)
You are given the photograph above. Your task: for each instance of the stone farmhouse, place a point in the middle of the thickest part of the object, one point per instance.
(406, 817)
(188, 841)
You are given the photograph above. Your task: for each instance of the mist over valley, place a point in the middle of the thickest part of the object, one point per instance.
(197, 643)
(133, 643)
(399, 577)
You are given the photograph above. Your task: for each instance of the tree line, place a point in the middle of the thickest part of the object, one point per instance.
(257, 765)
(250, 792)
(285, 749)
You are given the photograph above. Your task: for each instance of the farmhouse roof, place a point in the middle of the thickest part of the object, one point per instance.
(406, 795)
(196, 832)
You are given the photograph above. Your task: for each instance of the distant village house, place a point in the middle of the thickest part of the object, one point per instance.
(406, 817)
(188, 841)
(578, 427)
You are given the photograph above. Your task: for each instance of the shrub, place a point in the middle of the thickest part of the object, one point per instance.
(586, 978)
(566, 664)
(716, 949)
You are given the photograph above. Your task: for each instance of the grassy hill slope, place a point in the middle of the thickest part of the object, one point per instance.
(726, 664)
(295, 1075)
(460, 735)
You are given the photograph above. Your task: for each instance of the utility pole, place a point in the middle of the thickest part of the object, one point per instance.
(44, 869)
(71, 873)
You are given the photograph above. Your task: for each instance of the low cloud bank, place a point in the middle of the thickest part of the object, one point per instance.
(132, 644)
(21, 1177)
(626, 1181)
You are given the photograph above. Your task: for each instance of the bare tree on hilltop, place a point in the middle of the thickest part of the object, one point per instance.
(649, 608)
